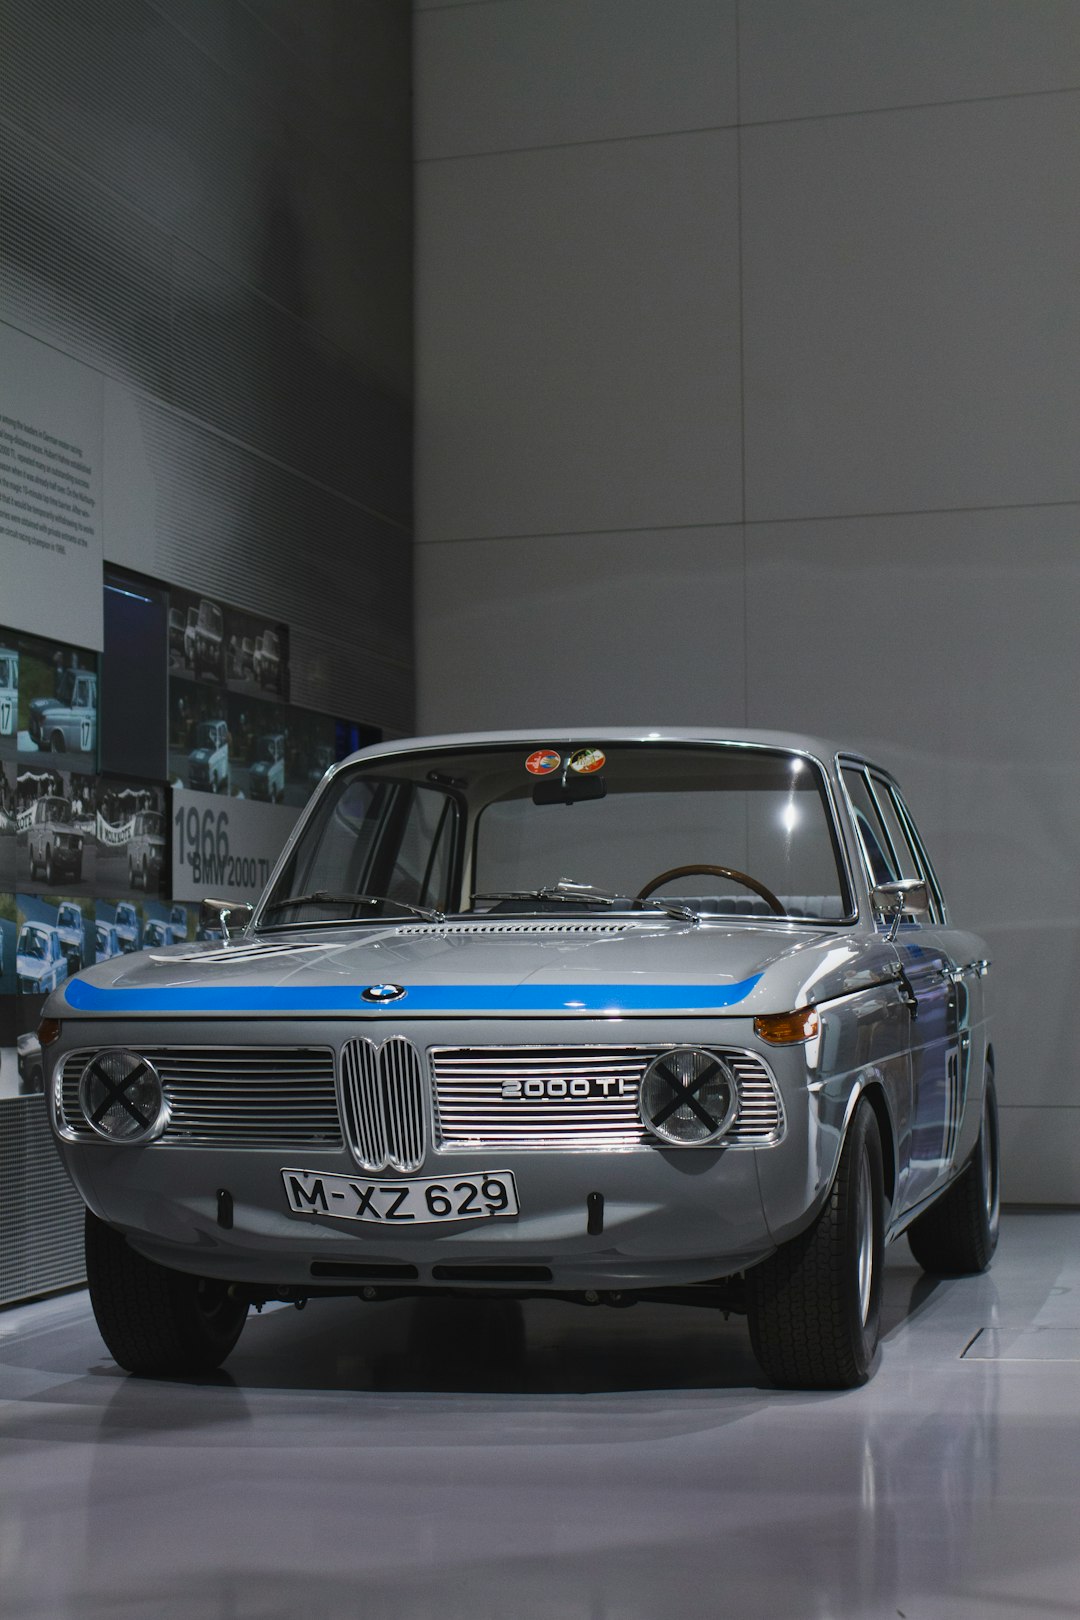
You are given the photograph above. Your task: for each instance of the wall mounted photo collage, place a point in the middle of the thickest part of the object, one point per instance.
(188, 693)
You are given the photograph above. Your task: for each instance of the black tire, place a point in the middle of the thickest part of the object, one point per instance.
(56, 743)
(153, 1320)
(815, 1305)
(957, 1236)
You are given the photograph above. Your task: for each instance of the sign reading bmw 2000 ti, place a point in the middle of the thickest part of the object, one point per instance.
(228, 847)
(596, 1016)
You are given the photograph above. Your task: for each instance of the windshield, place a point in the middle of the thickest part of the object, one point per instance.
(150, 823)
(7, 671)
(510, 828)
(206, 735)
(56, 810)
(33, 943)
(267, 749)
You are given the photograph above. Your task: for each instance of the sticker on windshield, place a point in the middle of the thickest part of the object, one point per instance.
(543, 762)
(587, 760)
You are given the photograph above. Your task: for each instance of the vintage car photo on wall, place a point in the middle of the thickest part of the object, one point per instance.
(57, 703)
(56, 822)
(604, 1017)
(131, 836)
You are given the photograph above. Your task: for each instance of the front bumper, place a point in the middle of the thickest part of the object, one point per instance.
(671, 1216)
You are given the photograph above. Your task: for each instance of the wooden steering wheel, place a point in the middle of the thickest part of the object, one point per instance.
(714, 871)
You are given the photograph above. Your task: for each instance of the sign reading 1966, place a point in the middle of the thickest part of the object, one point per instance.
(225, 851)
(204, 846)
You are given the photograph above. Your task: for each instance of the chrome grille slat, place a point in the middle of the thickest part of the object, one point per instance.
(383, 1092)
(471, 1111)
(259, 1097)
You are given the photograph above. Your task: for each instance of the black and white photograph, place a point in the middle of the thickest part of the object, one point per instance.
(256, 656)
(197, 643)
(132, 836)
(8, 824)
(56, 820)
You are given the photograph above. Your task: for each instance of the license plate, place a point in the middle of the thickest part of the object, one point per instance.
(478, 1197)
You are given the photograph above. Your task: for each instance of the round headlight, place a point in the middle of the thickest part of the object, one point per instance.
(121, 1096)
(688, 1096)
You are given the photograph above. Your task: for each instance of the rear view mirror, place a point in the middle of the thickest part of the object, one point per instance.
(892, 901)
(553, 790)
(230, 916)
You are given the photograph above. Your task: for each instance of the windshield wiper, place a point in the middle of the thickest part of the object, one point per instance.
(323, 897)
(585, 894)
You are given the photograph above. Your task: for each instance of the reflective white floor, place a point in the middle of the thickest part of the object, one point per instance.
(434, 1462)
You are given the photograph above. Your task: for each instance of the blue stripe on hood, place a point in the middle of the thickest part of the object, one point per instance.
(419, 998)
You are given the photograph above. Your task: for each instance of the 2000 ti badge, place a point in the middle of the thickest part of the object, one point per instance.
(457, 1198)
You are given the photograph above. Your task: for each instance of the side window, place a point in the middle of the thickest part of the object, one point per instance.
(421, 872)
(925, 867)
(898, 838)
(877, 854)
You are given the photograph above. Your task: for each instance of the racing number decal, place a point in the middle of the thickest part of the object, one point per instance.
(84, 736)
(5, 716)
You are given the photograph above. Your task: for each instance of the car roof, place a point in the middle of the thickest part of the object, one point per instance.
(577, 736)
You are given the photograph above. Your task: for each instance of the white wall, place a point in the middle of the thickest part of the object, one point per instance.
(749, 391)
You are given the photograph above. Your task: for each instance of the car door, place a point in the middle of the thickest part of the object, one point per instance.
(929, 1116)
(931, 972)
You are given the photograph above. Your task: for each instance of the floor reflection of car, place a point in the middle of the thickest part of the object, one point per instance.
(9, 691)
(208, 762)
(146, 849)
(69, 925)
(176, 633)
(266, 778)
(126, 923)
(40, 963)
(31, 1069)
(53, 844)
(178, 922)
(106, 941)
(67, 723)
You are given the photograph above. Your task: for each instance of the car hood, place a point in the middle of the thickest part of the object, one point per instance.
(199, 756)
(32, 967)
(39, 705)
(579, 967)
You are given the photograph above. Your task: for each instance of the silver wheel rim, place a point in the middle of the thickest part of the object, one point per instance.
(865, 1217)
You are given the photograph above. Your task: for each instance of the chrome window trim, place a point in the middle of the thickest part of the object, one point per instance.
(256, 928)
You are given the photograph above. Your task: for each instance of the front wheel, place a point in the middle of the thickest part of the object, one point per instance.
(815, 1305)
(154, 1320)
(958, 1235)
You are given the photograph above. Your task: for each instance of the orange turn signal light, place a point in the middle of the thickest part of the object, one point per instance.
(785, 1029)
(48, 1031)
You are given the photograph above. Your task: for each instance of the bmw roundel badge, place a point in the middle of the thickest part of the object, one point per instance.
(383, 992)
